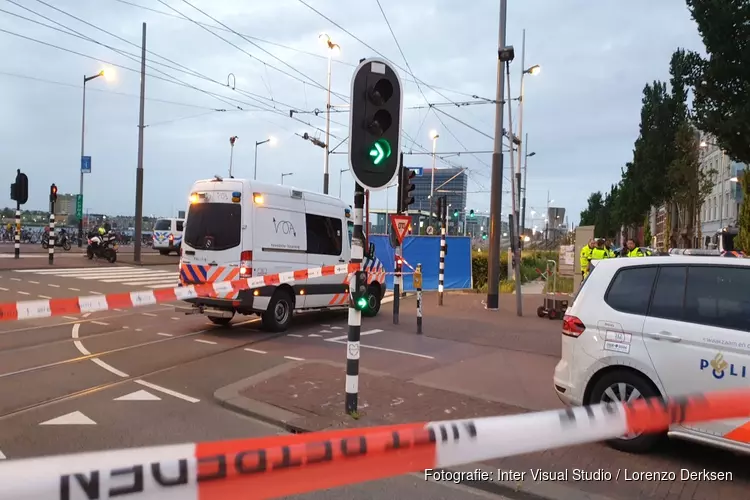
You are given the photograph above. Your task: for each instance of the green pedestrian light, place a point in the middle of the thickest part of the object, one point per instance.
(380, 151)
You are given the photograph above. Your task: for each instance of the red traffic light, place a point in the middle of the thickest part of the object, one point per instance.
(53, 189)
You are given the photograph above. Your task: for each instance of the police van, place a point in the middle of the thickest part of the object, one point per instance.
(238, 228)
(167, 237)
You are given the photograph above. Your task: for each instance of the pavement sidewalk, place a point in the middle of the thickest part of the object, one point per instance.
(512, 374)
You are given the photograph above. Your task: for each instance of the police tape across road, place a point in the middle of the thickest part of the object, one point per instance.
(33, 309)
(280, 466)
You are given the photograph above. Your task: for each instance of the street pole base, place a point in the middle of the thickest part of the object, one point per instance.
(493, 301)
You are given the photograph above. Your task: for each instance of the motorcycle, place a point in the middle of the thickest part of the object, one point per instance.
(103, 246)
(60, 241)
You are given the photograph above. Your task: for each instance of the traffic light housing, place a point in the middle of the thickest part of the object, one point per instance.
(405, 189)
(375, 123)
(19, 190)
(53, 193)
(471, 214)
(455, 213)
(440, 209)
(358, 291)
(484, 236)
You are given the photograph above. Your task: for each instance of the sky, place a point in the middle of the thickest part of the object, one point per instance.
(581, 111)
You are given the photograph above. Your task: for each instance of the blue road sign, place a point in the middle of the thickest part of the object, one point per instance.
(418, 170)
(85, 164)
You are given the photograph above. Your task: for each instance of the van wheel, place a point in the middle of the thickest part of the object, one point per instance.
(278, 315)
(217, 320)
(164, 252)
(622, 386)
(373, 302)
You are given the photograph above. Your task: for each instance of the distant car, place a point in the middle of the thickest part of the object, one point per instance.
(652, 326)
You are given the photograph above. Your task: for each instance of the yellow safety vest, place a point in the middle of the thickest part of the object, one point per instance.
(636, 252)
(599, 253)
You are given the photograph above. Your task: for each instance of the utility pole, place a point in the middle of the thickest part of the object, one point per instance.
(515, 242)
(496, 187)
(520, 132)
(139, 169)
(525, 178)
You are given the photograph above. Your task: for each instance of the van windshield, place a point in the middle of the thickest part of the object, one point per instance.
(163, 225)
(214, 226)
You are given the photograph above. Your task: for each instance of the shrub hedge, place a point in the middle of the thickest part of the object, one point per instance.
(531, 261)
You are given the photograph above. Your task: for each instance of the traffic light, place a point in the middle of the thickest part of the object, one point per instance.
(375, 123)
(440, 209)
(358, 291)
(405, 188)
(484, 236)
(19, 190)
(455, 213)
(471, 214)
(53, 193)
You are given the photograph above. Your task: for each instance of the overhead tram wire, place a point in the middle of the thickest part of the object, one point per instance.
(286, 47)
(461, 143)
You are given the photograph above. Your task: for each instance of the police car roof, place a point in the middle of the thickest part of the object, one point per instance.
(279, 189)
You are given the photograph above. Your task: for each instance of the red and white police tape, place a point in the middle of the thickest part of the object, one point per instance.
(33, 309)
(279, 466)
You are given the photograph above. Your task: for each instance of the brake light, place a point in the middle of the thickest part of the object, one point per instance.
(246, 264)
(171, 237)
(572, 326)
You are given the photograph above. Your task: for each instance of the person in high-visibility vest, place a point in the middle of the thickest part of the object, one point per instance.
(586, 257)
(610, 253)
(634, 250)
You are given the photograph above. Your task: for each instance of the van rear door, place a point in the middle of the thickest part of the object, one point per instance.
(212, 241)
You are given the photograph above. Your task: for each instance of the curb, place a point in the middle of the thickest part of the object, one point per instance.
(229, 397)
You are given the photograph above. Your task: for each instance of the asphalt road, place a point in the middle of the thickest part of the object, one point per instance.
(126, 378)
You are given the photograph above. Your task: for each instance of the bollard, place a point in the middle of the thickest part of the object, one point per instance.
(17, 235)
(51, 247)
(417, 279)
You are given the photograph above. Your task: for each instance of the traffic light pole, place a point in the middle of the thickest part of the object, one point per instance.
(17, 236)
(441, 275)
(51, 241)
(355, 315)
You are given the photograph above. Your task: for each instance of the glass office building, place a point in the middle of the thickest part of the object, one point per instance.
(449, 182)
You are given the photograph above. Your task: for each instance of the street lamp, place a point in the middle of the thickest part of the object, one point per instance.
(341, 172)
(108, 75)
(434, 136)
(285, 175)
(271, 142)
(333, 49)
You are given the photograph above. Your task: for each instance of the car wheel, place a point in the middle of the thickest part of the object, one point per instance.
(278, 315)
(164, 252)
(541, 312)
(216, 320)
(373, 302)
(626, 386)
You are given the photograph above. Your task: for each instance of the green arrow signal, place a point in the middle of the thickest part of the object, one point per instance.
(380, 151)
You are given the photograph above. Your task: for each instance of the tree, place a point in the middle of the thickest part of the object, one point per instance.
(595, 205)
(742, 241)
(722, 80)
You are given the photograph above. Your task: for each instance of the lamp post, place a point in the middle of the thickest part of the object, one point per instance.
(86, 79)
(333, 48)
(525, 178)
(271, 141)
(546, 219)
(434, 136)
(341, 172)
(232, 140)
(285, 175)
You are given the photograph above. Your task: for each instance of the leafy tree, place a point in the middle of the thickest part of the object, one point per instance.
(722, 80)
(742, 241)
(595, 205)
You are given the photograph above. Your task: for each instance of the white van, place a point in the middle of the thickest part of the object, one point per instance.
(168, 235)
(238, 228)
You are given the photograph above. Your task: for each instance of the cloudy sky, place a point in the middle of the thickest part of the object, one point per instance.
(581, 111)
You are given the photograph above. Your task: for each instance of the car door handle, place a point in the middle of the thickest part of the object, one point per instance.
(664, 336)
(342, 260)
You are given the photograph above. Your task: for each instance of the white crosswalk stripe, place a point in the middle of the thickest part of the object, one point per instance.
(138, 277)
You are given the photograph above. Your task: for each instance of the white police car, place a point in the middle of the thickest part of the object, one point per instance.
(660, 326)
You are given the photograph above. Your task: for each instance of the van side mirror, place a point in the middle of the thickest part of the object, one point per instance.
(371, 250)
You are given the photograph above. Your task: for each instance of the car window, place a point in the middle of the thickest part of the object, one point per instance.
(163, 225)
(323, 235)
(718, 296)
(669, 294)
(179, 225)
(631, 289)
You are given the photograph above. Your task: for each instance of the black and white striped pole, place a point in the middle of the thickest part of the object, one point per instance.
(417, 279)
(51, 240)
(356, 294)
(17, 235)
(441, 275)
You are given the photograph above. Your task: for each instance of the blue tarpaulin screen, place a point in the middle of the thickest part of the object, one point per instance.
(425, 250)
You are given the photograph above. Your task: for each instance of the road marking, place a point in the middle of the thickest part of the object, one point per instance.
(80, 348)
(86, 315)
(257, 351)
(368, 332)
(74, 418)
(102, 323)
(96, 293)
(35, 282)
(139, 329)
(167, 391)
(205, 341)
(175, 318)
(109, 368)
(324, 325)
(4, 289)
(70, 317)
(316, 335)
(118, 310)
(141, 395)
(125, 327)
(58, 286)
(294, 335)
(149, 314)
(75, 289)
(2, 456)
(165, 334)
(396, 351)
(15, 279)
(336, 328)
(44, 296)
(23, 293)
(293, 358)
(324, 331)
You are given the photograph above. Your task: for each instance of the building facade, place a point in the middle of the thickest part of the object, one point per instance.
(449, 182)
(722, 206)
